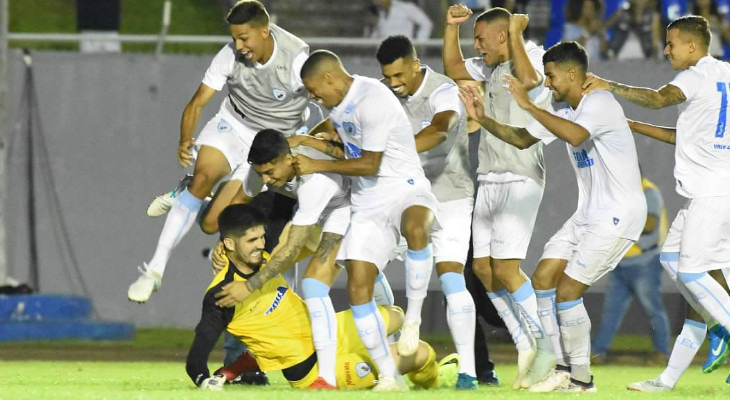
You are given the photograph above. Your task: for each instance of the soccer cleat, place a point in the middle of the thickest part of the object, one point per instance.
(466, 382)
(488, 378)
(321, 384)
(718, 350)
(390, 384)
(408, 342)
(557, 379)
(576, 386)
(649, 385)
(163, 203)
(524, 360)
(147, 283)
(254, 378)
(541, 367)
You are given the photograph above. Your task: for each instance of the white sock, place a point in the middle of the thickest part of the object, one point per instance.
(709, 294)
(549, 320)
(324, 327)
(575, 332)
(372, 331)
(419, 265)
(526, 302)
(685, 348)
(382, 293)
(670, 262)
(461, 317)
(180, 219)
(502, 303)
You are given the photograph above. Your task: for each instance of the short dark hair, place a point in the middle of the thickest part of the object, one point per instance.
(315, 59)
(267, 145)
(236, 219)
(393, 48)
(567, 52)
(250, 12)
(695, 25)
(494, 14)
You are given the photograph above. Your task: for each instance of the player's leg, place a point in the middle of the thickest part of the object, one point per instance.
(615, 302)
(228, 193)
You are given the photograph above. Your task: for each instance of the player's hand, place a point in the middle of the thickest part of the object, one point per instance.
(594, 82)
(297, 140)
(518, 90)
(473, 102)
(184, 153)
(218, 258)
(518, 23)
(215, 382)
(304, 165)
(232, 294)
(457, 14)
(327, 135)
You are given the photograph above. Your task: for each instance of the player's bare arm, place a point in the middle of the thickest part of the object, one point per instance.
(665, 96)
(281, 260)
(437, 132)
(524, 70)
(664, 134)
(454, 66)
(367, 164)
(332, 149)
(190, 118)
(474, 104)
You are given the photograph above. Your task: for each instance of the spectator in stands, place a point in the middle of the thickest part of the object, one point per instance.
(642, 18)
(718, 25)
(584, 25)
(638, 275)
(397, 17)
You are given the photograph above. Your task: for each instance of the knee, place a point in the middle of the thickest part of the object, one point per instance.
(359, 292)
(208, 224)
(416, 234)
(542, 280)
(202, 183)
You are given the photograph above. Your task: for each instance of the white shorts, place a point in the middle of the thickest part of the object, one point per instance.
(700, 233)
(591, 253)
(451, 237)
(374, 232)
(228, 135)
(504, 217)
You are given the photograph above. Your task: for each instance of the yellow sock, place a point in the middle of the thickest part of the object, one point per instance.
(426, 376)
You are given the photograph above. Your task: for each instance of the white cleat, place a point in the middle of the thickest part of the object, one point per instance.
(162, 204)
(524, 360)
(650, 385)
(147, 283)
(409, 338)
(578, 387)
(543, 364)
(390, 384)
(556, 380)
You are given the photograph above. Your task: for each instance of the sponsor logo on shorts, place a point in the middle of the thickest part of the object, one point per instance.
(224, 126)
(410, 181)
(280, 292)
(582, 160)
(349, 128)
(279, 94)
(362, 369)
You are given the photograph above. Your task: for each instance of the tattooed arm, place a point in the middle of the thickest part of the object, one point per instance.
(329, 147)
(665, 96)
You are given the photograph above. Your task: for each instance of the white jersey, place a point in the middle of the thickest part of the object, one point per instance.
(370, 118)
(606, 166)
(499, 161)
(702, 154)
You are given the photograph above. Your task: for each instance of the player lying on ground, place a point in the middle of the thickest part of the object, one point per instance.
(274, 323)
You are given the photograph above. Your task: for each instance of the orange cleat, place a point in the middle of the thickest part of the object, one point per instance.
(321, 384)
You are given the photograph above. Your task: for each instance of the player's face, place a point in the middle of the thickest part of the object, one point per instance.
(557, 79)
(277, 172)
(402, 75)
(487, 41)
(249, 248)
(677, 50)
(250, 40)
(322, 90)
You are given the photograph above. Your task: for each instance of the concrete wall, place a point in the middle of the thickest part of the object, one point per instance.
(111, 127)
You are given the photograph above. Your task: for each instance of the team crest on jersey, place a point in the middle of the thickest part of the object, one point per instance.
(280, 292)
(616, 221)
(224, 126)
(349, 128)
(362, 369)
(279, 94)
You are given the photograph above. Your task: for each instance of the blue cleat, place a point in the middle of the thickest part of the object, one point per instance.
(718, 350)
(466, 382)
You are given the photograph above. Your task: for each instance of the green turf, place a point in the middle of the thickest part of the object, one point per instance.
(39, 380)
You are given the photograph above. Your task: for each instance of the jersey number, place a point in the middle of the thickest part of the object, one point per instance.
(720, 130)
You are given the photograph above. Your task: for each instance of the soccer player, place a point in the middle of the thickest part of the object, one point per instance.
(260, 68)
(438, 121)
(611, 205)
(274, 323)
(511, 181)
(697, 240)
(390, 196)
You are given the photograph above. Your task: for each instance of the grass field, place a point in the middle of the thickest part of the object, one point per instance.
(165, 380)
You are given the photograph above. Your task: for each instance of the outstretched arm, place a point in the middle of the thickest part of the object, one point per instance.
(664, 134)
(665, 96)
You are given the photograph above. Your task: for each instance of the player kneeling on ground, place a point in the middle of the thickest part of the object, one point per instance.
(274, 323)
